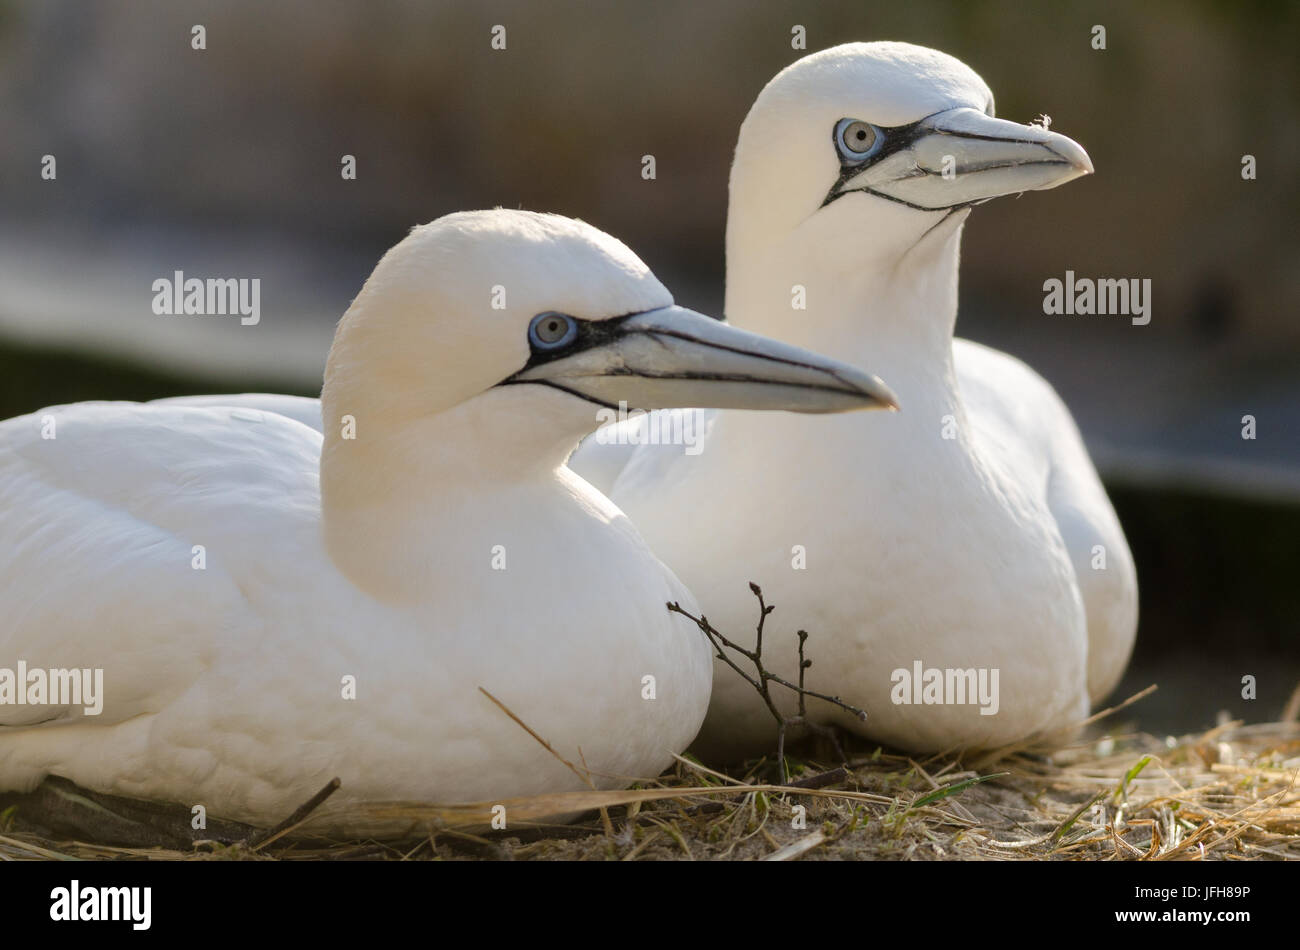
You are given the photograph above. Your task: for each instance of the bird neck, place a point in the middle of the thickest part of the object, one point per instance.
(402, 492)
(894, 316)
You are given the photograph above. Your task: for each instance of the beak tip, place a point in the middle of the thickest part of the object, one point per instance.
(882, 396)
(1073, 153)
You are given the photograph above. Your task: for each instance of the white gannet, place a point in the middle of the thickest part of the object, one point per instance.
(270, 609)
(967, 531)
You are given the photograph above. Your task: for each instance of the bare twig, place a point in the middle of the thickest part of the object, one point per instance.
(583, 773)
(1140, 694)
(764, 678)
(263, 838)
(586, 778)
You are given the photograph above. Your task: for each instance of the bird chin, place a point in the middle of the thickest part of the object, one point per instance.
(938, 229)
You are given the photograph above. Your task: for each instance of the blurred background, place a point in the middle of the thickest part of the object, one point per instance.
(226, 162)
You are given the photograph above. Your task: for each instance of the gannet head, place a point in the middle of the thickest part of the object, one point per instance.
(538, 308)
(873, 144)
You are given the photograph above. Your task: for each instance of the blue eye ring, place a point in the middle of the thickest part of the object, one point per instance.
(551, 330)
(856, 141)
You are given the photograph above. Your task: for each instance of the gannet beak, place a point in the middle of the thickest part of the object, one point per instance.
(962, 156)
(676, 358)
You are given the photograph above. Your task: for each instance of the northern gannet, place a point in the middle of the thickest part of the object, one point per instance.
(270, 609)
(969, 530)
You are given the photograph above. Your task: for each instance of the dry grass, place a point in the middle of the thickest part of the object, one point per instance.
(1228, 794)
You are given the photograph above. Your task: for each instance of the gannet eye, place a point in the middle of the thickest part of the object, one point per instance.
(551, 330)
(856, 140)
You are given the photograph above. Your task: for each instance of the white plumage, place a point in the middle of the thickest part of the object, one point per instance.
(963, 531)
(228, 568)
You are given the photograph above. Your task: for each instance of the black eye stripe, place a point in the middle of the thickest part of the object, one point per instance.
(896, 138)
(590, 334)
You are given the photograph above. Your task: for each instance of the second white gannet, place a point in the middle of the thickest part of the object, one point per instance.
(266, 610)
(967, 532)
